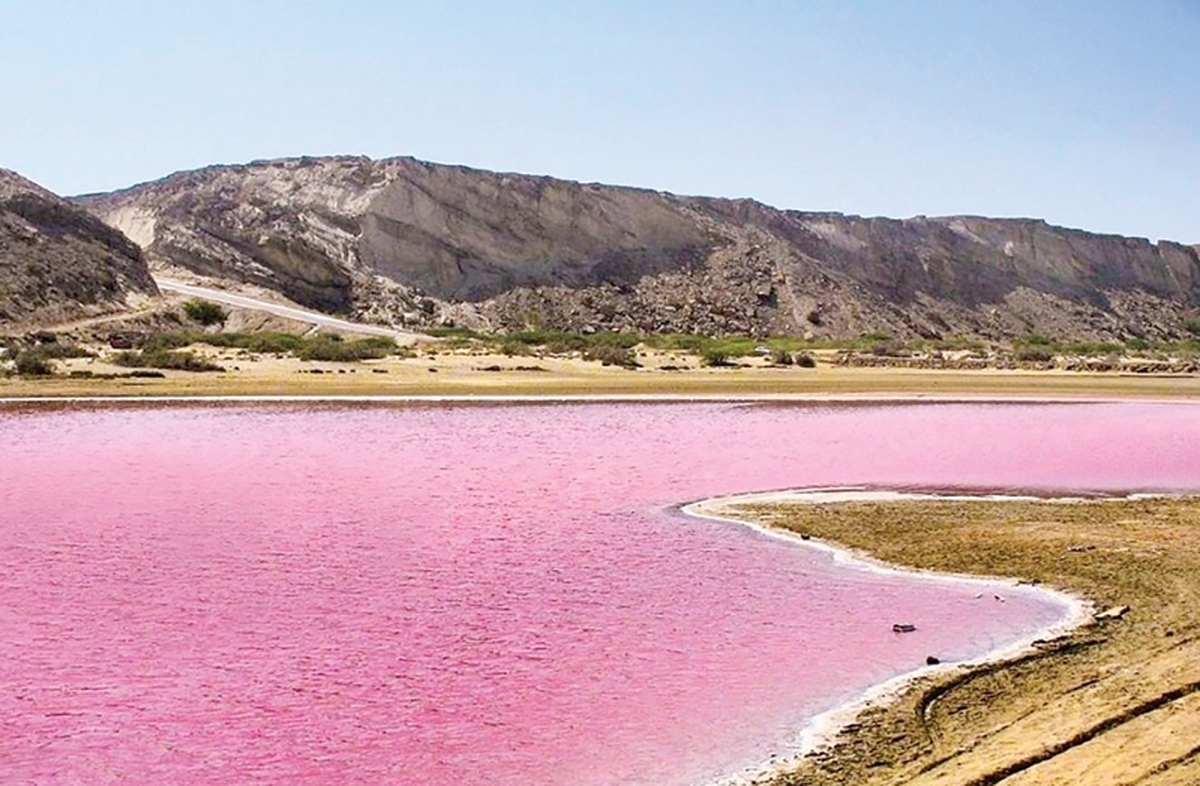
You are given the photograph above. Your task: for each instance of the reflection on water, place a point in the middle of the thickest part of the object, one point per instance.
(449, 595)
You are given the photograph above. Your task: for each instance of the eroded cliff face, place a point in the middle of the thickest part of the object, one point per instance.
(58, 262)
(293, 226)
(468, 235)
(406, 241)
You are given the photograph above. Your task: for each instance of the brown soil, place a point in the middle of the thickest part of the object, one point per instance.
(1116, 702)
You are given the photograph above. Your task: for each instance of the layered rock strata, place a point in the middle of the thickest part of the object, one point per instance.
(415, 244)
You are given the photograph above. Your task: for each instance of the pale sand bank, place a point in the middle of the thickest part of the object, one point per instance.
(1113, 701)
(823, 729)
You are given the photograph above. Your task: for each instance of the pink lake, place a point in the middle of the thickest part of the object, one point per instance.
(449, 594)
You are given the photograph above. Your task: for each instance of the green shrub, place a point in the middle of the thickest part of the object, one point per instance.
(60, 350)
(454, 332)
(729, 346)
(510, 348)
(32, 363)
(1035, 354)
(958, 343)
(35, 361)
(560, 341)
(684, 342)
(805, 360)
(781, 357)
(277, 343)
(611, 339)
(714, 356)
(162, 358)
(321, 347)
(166, 341)
(887, 348)
(205, 312)
(335, 348)
(612, 355)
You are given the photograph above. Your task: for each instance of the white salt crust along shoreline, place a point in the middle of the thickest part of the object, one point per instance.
(821, 730)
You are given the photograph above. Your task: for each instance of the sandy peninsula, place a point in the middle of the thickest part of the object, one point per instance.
(1116, 701)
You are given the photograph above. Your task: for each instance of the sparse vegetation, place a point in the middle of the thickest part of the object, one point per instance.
(958, 344)
(323, 346)
(59, 350)
(559, 342)
(164, 358)
(1035, 354)
(205, 312)
(334, 348)
(454, 332)
(888, 348)
(1034, 347)
(781, 357)
(612, 355)
(729, 346)
(34, 360)
(510, 348)
(37, 352)
(1137, 344)
(32, 363)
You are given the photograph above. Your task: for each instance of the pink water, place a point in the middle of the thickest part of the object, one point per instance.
(321, 594)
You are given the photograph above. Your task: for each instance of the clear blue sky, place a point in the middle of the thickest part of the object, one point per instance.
(1083, 113)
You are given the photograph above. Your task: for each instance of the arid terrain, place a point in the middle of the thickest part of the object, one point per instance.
(437, 373)
(251, 341)
(351, 277)
(58, 262)
(410, 243)
(549, 273)
(1115, 702)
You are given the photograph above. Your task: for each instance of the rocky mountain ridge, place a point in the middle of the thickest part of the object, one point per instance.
(58, 262)
(414, 244)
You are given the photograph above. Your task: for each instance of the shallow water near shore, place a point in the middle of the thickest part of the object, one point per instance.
(443, 594)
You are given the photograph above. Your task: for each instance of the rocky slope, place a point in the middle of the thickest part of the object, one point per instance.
(58, 262)
(415, 243)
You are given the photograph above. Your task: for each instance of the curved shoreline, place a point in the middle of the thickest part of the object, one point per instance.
(822, 729)
(810, 730)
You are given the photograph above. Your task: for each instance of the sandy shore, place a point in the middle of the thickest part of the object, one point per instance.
(1115, 700)
(434, 373)
(822, 731)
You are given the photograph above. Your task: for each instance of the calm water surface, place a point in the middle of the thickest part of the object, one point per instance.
(319, 594)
